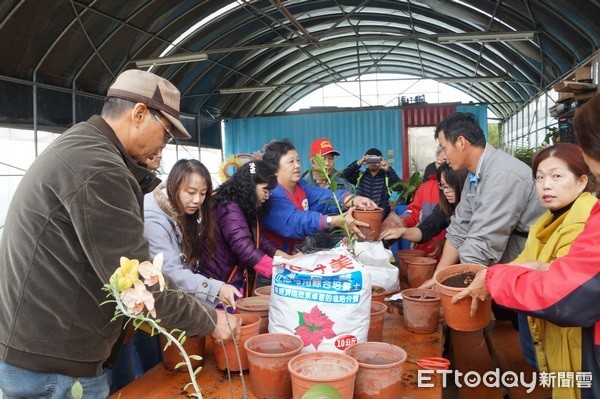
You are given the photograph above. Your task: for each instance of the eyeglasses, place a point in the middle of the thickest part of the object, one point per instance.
(445, 188)
(169, 138)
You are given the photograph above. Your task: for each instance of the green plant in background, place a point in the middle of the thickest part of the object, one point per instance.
(526, 154)
(407, 187)
(494, 134)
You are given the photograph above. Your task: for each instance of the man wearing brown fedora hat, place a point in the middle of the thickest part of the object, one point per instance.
(76, 212)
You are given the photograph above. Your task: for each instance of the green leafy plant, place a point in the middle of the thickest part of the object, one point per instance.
(407, 187)
(77, 390)
(526, 154)
(321, 169)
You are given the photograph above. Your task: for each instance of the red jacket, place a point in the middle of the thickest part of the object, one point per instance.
(567, 294)
(426, 198)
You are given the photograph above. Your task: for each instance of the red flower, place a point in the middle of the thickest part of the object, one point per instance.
(314, 327)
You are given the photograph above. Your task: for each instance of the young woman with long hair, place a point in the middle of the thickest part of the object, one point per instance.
(175, 214)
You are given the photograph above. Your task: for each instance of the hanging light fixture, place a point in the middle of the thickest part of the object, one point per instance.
(172, 59)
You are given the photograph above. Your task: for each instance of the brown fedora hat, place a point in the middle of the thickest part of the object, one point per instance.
(156, 92)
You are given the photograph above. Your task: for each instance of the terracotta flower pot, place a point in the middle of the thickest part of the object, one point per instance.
(403, 255)
(268, 357)
(373, 218)
(263, 291)
(421, 310)
(380, 367)
(258, 305)
(225, 354)
(419, 270)
(335, 369)
(171, 356)
(378, 310)
(378, 293)
(458, 315)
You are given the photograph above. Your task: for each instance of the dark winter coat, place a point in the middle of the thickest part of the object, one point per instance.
(376, 187)
(235, 245)
(76, 211)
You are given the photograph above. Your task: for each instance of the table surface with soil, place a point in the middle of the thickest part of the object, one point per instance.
(160, 383)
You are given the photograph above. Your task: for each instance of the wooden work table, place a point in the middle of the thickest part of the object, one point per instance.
(162, 384)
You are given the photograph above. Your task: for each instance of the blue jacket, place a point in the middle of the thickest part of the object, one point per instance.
(288, 222)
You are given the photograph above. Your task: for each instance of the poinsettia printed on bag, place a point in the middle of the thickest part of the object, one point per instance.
(324, 298)
(314, 326)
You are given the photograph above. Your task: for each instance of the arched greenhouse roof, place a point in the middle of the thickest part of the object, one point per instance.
(503, 53)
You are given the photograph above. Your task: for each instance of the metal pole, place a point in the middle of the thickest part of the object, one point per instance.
(198, 133)
(74, 105)
(35, 127)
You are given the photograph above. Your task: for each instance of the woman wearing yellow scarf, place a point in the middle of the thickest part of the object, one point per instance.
(561, 177)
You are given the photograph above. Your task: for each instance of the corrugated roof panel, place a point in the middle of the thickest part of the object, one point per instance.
(245, 52)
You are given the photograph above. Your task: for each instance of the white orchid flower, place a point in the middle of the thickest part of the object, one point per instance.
(152, 272)
(138, 297)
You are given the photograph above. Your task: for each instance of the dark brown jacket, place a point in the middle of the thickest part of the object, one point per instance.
(76, 211)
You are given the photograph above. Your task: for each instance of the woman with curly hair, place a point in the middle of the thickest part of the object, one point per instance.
(239, 243)
(172, 213)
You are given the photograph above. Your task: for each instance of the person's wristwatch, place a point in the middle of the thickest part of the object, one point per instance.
(328, 221)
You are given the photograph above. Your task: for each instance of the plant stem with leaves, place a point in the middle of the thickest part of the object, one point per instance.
(145, 317)
(131, 297)
(321, 170)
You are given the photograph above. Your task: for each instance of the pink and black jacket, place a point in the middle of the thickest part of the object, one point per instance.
(567, 294)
